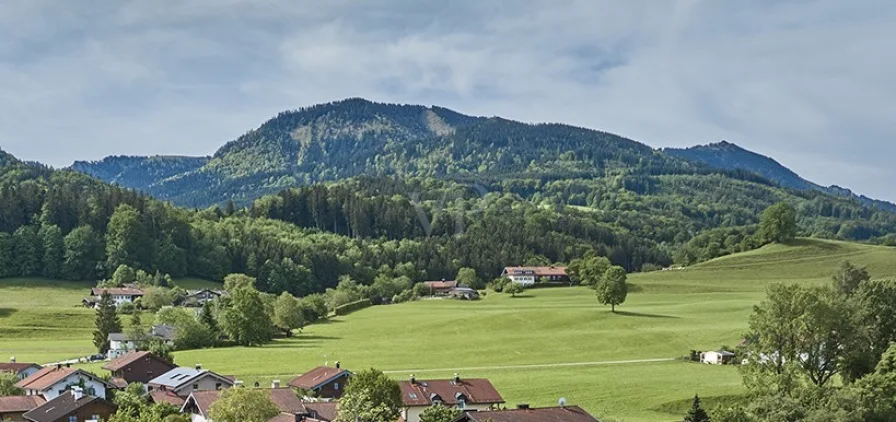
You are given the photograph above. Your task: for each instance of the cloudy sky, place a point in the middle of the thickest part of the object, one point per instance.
(810, 83)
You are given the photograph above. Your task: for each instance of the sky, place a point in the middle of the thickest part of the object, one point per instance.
(810, 83)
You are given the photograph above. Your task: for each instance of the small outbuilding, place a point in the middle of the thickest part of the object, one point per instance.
(722, 357)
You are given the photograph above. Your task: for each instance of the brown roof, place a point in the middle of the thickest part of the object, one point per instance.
(538, 271)
(284, 398)
(326, 411)
(547, 414)
(124, 361)
(50, 375)
(118, 382)
(122, 291)
(316, 377)
(55, 409)
(16, 367)
(165, 396)
(441, 284)
(20, 404)
(475, 391)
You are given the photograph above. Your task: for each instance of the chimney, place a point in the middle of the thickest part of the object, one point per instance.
(275, 384)
(337, 365)
(12, 359)
(68, 365)
(198, 366)
(522, 406)
(413, 379)
(58, 366)
(456, 378)
(77, 393)
(257, 384)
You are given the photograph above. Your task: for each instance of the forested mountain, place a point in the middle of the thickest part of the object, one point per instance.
(141, 173)
(728, 156)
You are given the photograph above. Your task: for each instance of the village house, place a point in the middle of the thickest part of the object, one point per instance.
(527, 276)
(22, 370)
(138, 367)
(323, 382)
(465, 394)
(440, 288)
(525, 414)
(183, 381)
(292, 408)
(121, 343)
(464, 293)
(199, 298)
(52, 381)
(73, 406)
(127, 294)
(12, 408)
(722, 357)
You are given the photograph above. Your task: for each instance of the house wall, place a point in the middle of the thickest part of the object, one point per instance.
(525, 280)
(195, 417)
(412, 414)
(206, 383)
(98, 389)
(143, 370)
(87, 413)
(27, 372)
(333, 389)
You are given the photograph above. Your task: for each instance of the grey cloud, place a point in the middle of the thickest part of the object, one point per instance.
(807, 82)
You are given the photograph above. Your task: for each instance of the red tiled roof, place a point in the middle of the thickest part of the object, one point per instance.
(164, 396)
(20, 404)
(316, 377)
(50, 375)
(421, 392)
(121, 291)
(441, 284)
(16, 367)
(205, 399)
(131, 357)
(538, 271)
(547, 414)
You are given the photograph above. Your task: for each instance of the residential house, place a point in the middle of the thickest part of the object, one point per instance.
(22, 370)
(138, 367)
(465, 394)
(527, 276)
(324, 382)
(183, 381)
(722, 357)
(73, 406)
(200, 297)
(126, 294)
(525, 414)
(52, 381)
(121, 343)
(12, 408)
(440, 288)
(292, 408)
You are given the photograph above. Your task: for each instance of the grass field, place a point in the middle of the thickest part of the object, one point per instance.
(548, 344)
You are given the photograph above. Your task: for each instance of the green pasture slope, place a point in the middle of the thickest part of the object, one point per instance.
(548, 344)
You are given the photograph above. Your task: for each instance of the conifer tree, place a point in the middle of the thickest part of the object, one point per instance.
(696, 414)
(107, 322)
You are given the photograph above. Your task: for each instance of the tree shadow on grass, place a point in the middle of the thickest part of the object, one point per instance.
(640, 315)
(522, 296)
(5, 312)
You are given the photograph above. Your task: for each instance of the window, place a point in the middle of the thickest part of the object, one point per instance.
(336, 386)
(218, 386)
(195, 387)
(461, 404)
(73, 418)
(95, 417)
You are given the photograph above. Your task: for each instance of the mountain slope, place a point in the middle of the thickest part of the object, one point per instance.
(140, 173)
(728, 156)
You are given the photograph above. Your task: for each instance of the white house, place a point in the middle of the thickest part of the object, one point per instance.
(183, 381)
(52, 381)
(22, 370)
(127, 294)
(717, 357)
(527, 276)
(120, 343)
(464, 394)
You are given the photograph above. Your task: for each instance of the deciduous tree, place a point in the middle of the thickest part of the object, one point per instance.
(848, 277)
(778, 223)
(370, 396)
(241, 404)
(439, 413)
(287, 313)
(612, 289)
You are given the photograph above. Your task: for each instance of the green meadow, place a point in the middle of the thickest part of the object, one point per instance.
(546, 344)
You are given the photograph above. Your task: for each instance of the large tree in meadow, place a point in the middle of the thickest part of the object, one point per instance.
(848, 277)
(107, 322)
(778, 223)
(612, 289)
(244, 316)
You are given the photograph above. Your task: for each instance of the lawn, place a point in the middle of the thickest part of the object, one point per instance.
(548, 344)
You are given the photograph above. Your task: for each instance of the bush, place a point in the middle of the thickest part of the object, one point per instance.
(352, 307)
(126, 308)
(498, 284)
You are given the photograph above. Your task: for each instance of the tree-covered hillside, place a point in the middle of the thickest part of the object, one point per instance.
(141, 173)
(727, 156)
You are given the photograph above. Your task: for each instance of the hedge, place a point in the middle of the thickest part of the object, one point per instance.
(351, 307)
